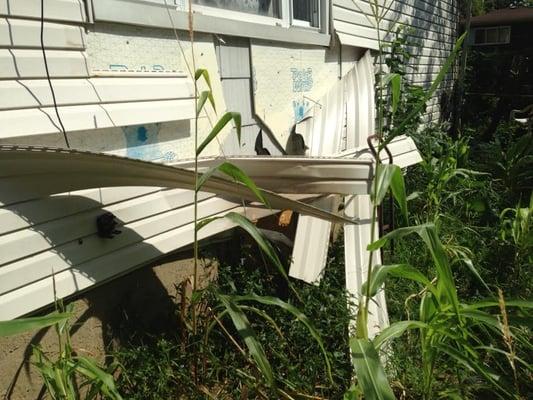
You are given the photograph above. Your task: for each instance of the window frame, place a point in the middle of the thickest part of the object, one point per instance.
(154, 13)
(286, 19)
(485, 29)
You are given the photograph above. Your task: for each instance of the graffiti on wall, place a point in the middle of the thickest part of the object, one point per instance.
(142, 142)
(142, 68)
(302, 79)
(300, 107)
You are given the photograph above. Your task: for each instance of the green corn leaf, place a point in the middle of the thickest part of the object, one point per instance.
(222, 122)
(274, 301)
(474, 365)
(202, 72)
(263, 244)
(237, 174)
(13, 327)
(436, 83)
(495, 303)
(204, 221)
(396, 234)
(397, 329)
(250, 339)
(204, 96)
(369, 371)
(361, 322)
(428, 306)
(265, 316)
(88, 368)
(445, 283)
(390, 176)
(395, 82)
(508, 355)
(380, 272)
(240, 176)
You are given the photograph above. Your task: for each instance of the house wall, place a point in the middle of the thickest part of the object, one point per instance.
(434, 32)
(123, 86)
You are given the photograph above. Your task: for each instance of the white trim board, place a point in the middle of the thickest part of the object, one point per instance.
(145, 13)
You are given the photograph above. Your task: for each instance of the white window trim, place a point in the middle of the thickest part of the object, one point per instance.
(485, 29)
(286, 20)
(153, 13)
(237, 15)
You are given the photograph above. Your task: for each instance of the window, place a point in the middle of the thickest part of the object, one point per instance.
(495, 35)
(306, 13)
(266, 8)
(300, 13)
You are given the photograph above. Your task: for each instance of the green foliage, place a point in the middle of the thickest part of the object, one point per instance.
(70, 376)
(241, 323)
(296, 338)
(222, 122)
(370, 373)
(16, 326)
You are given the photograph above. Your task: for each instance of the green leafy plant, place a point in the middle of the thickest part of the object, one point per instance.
(67, 376)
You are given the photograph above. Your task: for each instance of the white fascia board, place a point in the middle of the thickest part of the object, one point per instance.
(293, 174)
(145, 13)
(36, 171)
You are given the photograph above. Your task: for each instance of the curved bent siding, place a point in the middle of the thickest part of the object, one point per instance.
(433, 26)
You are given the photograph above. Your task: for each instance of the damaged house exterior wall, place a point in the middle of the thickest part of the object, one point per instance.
(120, 72)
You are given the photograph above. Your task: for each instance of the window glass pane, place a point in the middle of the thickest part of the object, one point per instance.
(306, 10)
(504, 35)
(480, 36)
(268, 8)
(492, 35)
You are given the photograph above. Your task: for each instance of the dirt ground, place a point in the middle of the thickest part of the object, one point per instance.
(103, 317)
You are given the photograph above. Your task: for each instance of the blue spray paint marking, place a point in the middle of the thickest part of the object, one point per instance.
(142, 142)
(302, 79)
(142, 68)
(300, 107)
(118, 67)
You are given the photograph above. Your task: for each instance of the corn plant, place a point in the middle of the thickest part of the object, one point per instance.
(68, 376)
(235, 306)
(447, 328)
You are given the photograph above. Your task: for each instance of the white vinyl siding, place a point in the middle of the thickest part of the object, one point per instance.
(433, 24)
